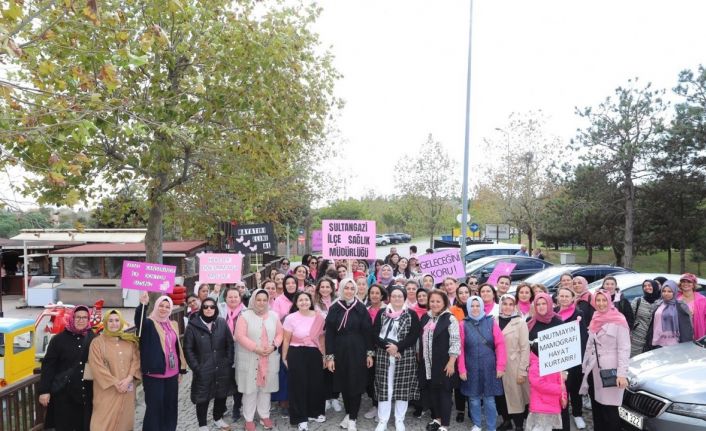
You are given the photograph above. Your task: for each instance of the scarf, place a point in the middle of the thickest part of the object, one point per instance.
(347, 309)
(154, 315)
(655, 295)
(515, 312)
(392, 314)
(285, 292)
(670, 316)
(611, 315)
(586, 294)
(419, 309)
(386, 281)
(232, 316)
(482, 310)
(487, 308)
(120, 333)
(545, 318)
(208, 319)
(71, 323)
(567, 312)
(524, 307)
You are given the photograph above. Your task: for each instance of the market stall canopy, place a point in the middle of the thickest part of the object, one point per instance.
(85, 236)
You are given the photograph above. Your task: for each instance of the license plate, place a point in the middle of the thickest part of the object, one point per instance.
(632, 418)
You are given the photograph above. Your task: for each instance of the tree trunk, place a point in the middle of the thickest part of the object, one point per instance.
(669, 259)
(589, 246)
(618, 252)
(682, 254)
(628, 247)
(153, 237)
(530, 234)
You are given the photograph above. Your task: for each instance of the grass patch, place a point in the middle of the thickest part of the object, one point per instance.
(656, 262)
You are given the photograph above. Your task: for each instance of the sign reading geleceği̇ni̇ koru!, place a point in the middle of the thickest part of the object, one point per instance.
(348, 239)
(559, 348)
(152, 277)
(220, 267)
(442, 264)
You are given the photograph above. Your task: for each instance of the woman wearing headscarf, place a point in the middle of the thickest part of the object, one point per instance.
(610, 285)
(282, 305)
(583, 298)
(547, 393)
(114, 360)
(670, 322)
(386, 276)
(642, 309)
(230, 311)
(349, 349)
(481, 363)
(208, 348)
(569, 312)
(421, 306)
(396, 330)
(162, 362)
(62, 389)
(511, 406)
(439, 348)
(608, 348)
(258, 334)
(695, 301)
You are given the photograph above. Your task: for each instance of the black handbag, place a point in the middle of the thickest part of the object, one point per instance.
(609, 377)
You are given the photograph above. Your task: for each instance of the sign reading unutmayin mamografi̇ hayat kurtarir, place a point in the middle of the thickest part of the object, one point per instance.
(220, 267)
(151, 277)
(442, 264)
(559, 348)
(348, 239)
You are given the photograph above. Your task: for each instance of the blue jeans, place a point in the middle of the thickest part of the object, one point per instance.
(491, 415)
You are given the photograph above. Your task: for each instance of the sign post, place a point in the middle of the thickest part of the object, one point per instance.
(559, 348)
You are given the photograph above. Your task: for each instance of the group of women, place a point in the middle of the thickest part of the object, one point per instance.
(406, 341)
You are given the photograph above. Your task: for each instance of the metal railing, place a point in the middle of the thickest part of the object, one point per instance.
(19, 406)
(250, 280)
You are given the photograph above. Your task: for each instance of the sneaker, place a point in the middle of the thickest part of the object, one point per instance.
(371, 413)
(351, 426)
(382, 426)
(418, 412)
(236, 416)
(303, 426)
(344, 422)
(433, 425)
(267, 423)
(580, 423)
(220, 423)
(476, 428)
(460, 416)
(319, 419)
(328, 405)
(336, 405)
(249, 426)
(399, 425)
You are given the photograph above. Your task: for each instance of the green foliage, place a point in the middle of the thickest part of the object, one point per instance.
(350, 209)
(12, 222)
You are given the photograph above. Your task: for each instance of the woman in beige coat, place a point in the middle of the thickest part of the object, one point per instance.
(512, 405)
(114, 362)
(258, 334)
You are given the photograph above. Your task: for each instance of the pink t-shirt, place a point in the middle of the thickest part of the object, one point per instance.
(300, 327)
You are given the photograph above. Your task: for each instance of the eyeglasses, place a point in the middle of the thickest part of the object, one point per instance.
(207, 307)
(80, 317)
(285, 263)
(473, 283)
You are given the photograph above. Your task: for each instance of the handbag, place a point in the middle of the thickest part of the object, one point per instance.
(609, 377)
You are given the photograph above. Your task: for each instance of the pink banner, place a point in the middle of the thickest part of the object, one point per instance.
(502, 268)
(220, 267)
(316, 240)
(348, 239)
(151, 277)
(442, 264)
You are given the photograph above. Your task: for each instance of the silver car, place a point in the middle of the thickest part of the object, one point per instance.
(667, 389)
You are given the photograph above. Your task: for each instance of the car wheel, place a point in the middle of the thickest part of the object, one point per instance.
(384, 243)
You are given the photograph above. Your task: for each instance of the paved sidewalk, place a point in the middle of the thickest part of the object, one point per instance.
(187, 416)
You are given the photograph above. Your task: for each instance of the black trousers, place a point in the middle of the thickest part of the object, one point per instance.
(237, 398)
(219, 408)
(306, 384)
(605, 418)
(68, 414)
(440, 403)
(573, 384)
(370, 389)
(518, 419)
(460, 401)
(352, 404)
(161, 403)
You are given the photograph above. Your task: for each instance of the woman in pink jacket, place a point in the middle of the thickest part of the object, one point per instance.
(547, 393)
(695, 301)
(608, 347)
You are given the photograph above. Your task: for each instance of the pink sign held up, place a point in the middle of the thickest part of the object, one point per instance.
(502, 268)
(220, 267)
(442, 264)
(316, 242)
(152, 277)
(348, 239)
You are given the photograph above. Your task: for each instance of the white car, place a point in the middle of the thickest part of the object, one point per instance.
(630, 284)
(382, 240)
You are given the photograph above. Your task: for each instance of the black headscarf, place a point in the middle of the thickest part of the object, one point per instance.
(202, 315)
(655, 295)
(285, 292)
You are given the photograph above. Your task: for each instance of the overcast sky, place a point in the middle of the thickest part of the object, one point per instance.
(404, 67)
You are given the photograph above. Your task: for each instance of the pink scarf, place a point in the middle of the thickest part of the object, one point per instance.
(418, 309)
(373, 311)
(567, 312)
(524, 307)
(611, 315)
(547, 317)
(586, 295)
(232, 316)
(154, 315)
(389, 312)
(262, 360)
(488, 308)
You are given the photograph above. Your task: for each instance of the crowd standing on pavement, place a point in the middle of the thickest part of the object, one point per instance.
(322, 335)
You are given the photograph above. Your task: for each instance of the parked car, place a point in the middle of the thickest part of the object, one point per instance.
(630, 284)
(524, 266)
(477, 251)
(396, 237)
(383, 240)
(404, 237)
(550, 277)
(667, 389)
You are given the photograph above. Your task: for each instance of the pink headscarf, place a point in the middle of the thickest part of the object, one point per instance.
(586, 295)
(611, 315)
(154, 315)
(545, 318)
(71, 323)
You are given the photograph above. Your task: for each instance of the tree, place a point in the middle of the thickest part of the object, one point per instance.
(621, 135)
(526, 178)
(11, 222)
(180, 100)
(350, 209)
(429, 183)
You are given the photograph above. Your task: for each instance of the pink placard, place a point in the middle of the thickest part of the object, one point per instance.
(316, 242)
(442, 264)
(220, 267)
(502, 268)
(152, 277)
(348, 239)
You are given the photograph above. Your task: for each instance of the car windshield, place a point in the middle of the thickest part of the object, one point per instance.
(547, 275)
(473, 266)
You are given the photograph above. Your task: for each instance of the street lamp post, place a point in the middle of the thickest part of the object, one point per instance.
(466, 149)
(507, 143)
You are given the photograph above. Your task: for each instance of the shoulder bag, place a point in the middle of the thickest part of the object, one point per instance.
(609, 377)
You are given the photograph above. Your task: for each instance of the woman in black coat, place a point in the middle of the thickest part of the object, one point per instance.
(62, 389)
(208, 348)
(349, 349)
